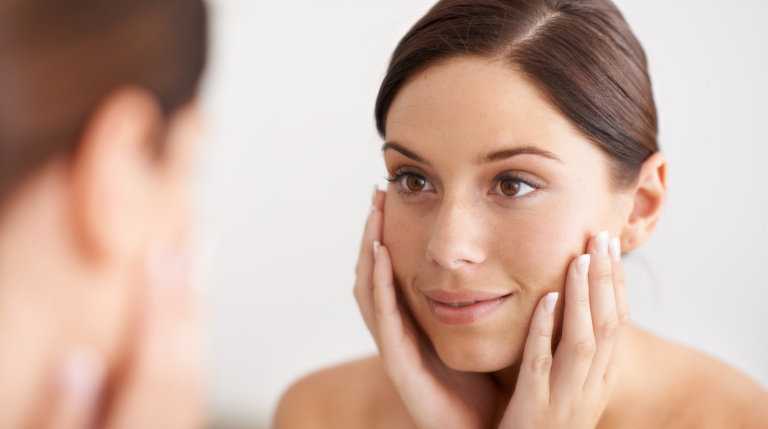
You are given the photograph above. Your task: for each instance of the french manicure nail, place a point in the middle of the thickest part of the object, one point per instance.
(582, 266)
(614, 248)
(601, 243)
(375, 192)
(550, 301)
(375, 250)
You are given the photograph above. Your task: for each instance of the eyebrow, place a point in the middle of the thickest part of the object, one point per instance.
(527, 150)
(496, 156)
(414, 156)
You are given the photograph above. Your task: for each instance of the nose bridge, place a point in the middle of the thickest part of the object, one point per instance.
(456, 238)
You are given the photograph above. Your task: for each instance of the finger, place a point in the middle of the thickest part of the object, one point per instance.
(603, 306)
(388, 318)
(163, 387)
(534, 378)
(364, 284)
(574, 354)
(622, 305)
(79, 384)
(364, 248)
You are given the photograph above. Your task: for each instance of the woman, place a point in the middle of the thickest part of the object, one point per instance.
(520, 140)
(98, 127)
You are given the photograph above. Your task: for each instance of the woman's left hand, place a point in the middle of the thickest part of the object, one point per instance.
(573, 388)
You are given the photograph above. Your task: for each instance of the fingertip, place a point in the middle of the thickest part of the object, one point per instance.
(550, 301)
(614, 249)
(378, 198)
(582, 265)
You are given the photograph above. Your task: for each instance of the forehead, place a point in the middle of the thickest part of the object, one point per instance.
(470, 106)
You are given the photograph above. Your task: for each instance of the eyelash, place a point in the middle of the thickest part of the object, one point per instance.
(399, 175)
(406, 171)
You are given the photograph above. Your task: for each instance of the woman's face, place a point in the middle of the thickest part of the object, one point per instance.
(494, 193)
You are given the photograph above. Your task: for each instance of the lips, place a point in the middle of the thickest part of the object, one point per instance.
(463, 307)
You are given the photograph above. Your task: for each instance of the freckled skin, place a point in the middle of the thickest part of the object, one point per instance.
(452, 116)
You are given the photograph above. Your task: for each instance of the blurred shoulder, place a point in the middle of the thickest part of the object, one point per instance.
(707, 392)
(352, 395)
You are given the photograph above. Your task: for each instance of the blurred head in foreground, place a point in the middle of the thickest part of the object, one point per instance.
(98, 128)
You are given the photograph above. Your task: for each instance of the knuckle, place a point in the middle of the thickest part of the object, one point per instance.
(604, 277)
(624, 318)
(380, 311)
(585, 350)
(609, 328)
(582, 300)
(544, 333)
(618, 277)
(541, 365)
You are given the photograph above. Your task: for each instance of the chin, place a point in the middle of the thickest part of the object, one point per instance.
(477, 354)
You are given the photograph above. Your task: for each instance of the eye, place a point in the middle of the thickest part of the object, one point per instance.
(414, 183)
(513, 187)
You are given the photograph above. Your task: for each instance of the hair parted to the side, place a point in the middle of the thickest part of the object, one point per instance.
(60, 58)
(580, 54)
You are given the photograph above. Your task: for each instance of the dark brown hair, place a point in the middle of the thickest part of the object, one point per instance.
(581, 54)
(60, 58)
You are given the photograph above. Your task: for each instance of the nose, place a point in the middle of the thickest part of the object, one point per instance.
(456, 241)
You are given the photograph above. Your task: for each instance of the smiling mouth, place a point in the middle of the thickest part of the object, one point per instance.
(449, 309)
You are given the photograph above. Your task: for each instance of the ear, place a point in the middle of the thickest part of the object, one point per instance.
(112, 173)
(648, 198)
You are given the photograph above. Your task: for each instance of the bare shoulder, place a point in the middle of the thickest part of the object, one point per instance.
(352, 395)
(702, 391)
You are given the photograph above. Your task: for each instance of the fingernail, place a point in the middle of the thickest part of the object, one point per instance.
(615, 249)
(375, 192)
(601, 243)
(375, 250)
(81, 376)
(582, 266)
(550, 302)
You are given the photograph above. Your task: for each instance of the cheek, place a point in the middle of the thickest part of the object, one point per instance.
(534, 248)
(406, 235)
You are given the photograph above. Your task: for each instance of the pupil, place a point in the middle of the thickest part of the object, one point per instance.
(510, 187)
(415, 183)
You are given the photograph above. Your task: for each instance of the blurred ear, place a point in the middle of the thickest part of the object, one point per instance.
(648, 198)
(112, 173)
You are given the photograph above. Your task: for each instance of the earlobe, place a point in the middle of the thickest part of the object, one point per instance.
(648, 197)
(110, 171)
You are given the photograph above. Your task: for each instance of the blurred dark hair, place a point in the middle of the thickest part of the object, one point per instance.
(60, 58)
(580, 54)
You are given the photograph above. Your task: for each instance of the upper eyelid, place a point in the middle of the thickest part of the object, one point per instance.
(405, 170)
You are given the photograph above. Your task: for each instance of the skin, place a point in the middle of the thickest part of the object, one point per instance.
(456, 231)
(100, 323)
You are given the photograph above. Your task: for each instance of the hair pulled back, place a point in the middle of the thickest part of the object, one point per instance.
(60, 58)
(580, 54)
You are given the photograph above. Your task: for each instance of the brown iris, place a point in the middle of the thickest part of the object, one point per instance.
(415, 183)
(510, 187)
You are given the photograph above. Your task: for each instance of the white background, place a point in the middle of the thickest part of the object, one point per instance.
(292, 155)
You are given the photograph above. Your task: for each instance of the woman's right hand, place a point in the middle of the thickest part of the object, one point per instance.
(435, 395)
(162, 384)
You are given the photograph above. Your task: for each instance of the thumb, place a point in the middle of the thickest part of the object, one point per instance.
(80, 378)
